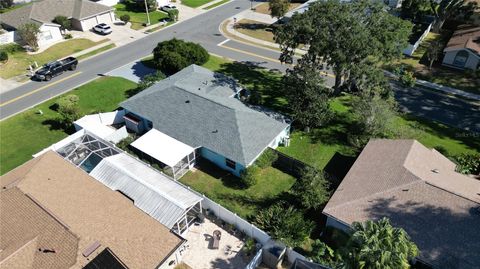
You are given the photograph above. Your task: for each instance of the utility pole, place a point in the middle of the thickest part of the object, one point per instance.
(148, 16)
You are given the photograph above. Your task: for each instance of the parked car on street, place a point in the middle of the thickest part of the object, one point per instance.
(166, 8)
(55, 68)
(102, 29)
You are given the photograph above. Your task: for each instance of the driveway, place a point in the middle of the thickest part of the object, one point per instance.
(121, 35)
(132, 71)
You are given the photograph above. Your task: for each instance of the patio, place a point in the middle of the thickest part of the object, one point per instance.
(202, 255)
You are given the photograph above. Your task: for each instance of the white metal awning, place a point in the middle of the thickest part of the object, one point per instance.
(162, 147)
(162, 198)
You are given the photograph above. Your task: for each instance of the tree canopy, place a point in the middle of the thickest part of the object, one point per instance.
(278, 8)
(29, 33)
(379, 245)
(63, 21)
(307, 95)
(344, 35)
(173, 55)
(312, 189)
(284, 223)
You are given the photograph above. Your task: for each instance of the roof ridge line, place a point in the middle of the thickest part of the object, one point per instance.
(203, 97)
(376, 193)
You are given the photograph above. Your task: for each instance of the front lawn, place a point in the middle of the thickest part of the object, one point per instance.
(264, 7)
(223, 188)
(195, 3)
(29, 132)
(19, 61)
(138, 18)
(438, 74)
(255, 29)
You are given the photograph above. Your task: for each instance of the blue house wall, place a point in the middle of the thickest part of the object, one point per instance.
(220, 161)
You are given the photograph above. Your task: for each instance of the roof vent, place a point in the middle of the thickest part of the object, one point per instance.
(199, 89)
(435, 171)
(215, 131)
(404, 189)
(187, 102)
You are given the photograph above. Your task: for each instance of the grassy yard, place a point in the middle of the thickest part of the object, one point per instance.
(256, 30)
(195, 3)
(438, 74)
(138, 17)
(19, 61)
(95, 52)
(223, 188)
(29, 132)
(263, 8)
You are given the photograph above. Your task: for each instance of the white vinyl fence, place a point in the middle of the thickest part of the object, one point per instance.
(232, 218)
(412, 47)
(256, 261)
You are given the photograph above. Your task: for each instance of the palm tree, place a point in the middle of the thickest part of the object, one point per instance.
(379, 245)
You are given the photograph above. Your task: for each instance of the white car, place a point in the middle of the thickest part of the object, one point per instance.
(103, 29)
(168, 7)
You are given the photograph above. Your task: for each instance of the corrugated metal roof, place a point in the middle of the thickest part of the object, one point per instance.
(154, 193)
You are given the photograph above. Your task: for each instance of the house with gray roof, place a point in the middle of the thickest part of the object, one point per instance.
(83, 14)
(419, 190)
(203, 110)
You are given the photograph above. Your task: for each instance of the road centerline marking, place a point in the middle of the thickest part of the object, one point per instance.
(39, 89)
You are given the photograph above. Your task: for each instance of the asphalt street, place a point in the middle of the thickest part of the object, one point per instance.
(204, 29)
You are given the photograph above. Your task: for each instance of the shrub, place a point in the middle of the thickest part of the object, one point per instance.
(64, 22)
(285, 223)
(11, 48)
(173, 55)
(266, 159)
(68, 36)
(124, 143)
(173, 14)
(407, 79)
(29, 33)
(248, 177)
(125, 18)
(250, 246)
(468, 163)
(255, 97)
(68, 109)
(3, 56)
(312, 188)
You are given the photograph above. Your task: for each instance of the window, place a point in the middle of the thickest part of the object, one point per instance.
(230, 163)
(460, 58)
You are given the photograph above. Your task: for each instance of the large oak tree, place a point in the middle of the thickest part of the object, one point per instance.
(344, 36)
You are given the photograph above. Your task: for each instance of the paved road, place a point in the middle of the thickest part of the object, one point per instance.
(204, 29)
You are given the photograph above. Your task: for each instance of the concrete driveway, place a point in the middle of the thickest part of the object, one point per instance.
(121, 35)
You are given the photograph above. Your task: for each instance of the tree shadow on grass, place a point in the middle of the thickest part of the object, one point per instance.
(254, 77)
(57, 124)
(228, 179)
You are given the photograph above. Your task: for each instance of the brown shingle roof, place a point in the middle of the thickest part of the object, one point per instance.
(93, 212)
(465, 37)
(25, 227)
(395, 179)
(45, 11)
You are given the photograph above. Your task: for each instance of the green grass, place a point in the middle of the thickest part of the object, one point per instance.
(154, 29)
(28, 132)
(138, 17)
(221, 187)
(438, 74)
(216, 4)
(94, 52)
(19, 61)
(195, 3)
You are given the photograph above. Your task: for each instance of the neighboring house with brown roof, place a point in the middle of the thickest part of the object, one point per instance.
(83, 14)
(463, 49)
(419, 191)
(54, 215)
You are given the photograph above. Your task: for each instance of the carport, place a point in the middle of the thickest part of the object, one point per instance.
(175, 156)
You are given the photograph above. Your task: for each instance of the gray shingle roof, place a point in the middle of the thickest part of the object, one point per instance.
(45, 11)
(419, 190)
(196, 106)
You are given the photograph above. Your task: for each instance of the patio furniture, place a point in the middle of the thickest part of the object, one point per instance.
(216, 239)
